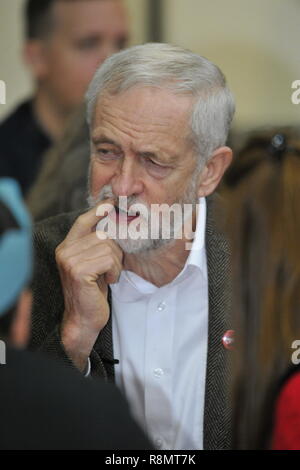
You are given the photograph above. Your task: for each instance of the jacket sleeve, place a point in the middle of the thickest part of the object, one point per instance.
(48, 302)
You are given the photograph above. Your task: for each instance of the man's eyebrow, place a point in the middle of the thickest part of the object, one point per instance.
(148, 154)
(102, 139)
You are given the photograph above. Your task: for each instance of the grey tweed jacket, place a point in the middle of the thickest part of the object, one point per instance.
(49, 306)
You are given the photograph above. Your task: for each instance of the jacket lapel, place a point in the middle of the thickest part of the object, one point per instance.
(217, 414)
(104, 345)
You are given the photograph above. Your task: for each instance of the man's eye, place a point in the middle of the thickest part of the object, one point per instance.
(122, 43)
(105, 154)
(155, 169)
(86, 44)
(153, 163)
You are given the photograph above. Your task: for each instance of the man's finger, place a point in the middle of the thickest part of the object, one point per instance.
(90, 241)
(87, 221)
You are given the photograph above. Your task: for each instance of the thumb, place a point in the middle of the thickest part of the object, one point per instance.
(103, 285)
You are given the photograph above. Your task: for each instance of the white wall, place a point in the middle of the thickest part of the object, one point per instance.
(11, 67)
(255, 42)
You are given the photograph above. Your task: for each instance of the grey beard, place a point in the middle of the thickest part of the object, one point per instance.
(142, 245)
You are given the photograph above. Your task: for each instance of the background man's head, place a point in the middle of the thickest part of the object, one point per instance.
(66, 40)
(159, 118)
(15, 265)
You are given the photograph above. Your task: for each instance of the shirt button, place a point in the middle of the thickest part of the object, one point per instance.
(161, 306)
(158, 443)
(158, 372)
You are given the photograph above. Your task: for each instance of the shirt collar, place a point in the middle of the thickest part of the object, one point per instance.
(195, 257)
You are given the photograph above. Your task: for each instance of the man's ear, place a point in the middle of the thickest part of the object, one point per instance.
(20, 330)
(35, 57)
(214, 170)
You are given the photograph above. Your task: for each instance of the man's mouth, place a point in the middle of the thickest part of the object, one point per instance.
(125, 216)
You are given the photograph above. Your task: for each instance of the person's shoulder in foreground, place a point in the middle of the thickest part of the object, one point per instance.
(52, 407)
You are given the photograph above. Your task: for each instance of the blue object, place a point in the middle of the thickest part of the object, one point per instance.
(15, 247)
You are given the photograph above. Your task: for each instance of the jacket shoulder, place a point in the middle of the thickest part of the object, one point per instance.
(216, 221)
(49, 233)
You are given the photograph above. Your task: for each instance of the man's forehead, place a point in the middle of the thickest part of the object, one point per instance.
(145, 105)
(81, 15)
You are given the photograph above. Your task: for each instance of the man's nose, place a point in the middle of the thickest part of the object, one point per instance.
(126, 181)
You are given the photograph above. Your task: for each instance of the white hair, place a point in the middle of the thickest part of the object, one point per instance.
(177, 69)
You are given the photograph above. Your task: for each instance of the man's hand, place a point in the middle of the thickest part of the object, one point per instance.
(86, 265)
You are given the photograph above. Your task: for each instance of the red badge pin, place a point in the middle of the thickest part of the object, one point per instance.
(228, 340)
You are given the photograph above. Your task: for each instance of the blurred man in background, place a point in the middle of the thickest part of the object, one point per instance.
(66, 40)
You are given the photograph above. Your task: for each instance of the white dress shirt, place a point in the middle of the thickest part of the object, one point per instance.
(160, 337)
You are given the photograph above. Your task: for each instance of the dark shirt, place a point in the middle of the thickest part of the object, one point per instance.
(44, 405)
(22, 145)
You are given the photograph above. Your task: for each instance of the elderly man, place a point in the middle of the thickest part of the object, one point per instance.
(147, 312)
